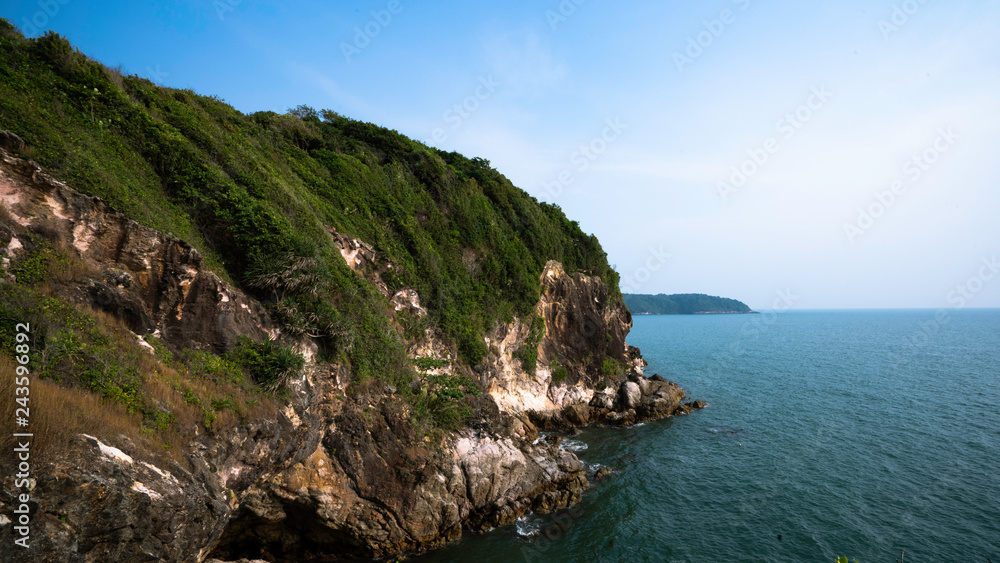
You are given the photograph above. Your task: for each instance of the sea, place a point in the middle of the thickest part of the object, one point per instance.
(871, 434)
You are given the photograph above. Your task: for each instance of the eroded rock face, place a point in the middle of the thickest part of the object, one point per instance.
(364, 260)
(583, 324)
(373, 488)
(103, 502)
(153, 281)
(108, 499)
(584, 327)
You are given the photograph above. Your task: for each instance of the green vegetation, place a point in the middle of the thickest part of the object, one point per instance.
(257, 193)
(528, 352)
(447, 399)
(268, 363)
(682, 304)
(33, 268)
(611, 367)
(559, 373)
(71, 344)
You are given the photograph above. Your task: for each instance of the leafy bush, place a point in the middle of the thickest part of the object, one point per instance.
(34, 267)
(559, 373)
(611, 367)
(268, 363)
(447, 400)
(528, 352)
(222, 403)
(202, 364)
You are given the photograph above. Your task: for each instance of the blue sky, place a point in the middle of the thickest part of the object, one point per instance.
(845, 151)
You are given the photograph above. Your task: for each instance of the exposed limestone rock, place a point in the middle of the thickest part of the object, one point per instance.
(102, 503)
(688, 408)
(151, 280)
(372, 488)
(583, 326)
(629, 395)
(364, 259)
(434, 344)
(508, 384)
(408, 300)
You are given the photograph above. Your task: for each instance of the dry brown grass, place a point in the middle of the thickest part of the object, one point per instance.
(166, 386)
(115, 76)
(58, 414)
(61, 411)
(67, 268)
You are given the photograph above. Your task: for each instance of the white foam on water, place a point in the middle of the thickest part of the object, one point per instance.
(528, 525)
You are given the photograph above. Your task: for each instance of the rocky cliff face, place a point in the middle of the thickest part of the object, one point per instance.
(333, 473)
(153, 281)
(106, 501)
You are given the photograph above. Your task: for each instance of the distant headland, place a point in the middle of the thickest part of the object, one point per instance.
(683, 304)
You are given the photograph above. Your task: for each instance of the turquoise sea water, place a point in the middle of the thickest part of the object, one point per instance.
(855, 433)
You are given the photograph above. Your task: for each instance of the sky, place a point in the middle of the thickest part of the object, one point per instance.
(805, 154)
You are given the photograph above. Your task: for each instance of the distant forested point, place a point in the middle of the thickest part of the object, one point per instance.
(683, 304)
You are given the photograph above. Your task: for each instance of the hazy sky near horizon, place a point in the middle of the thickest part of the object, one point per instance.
(843, 151)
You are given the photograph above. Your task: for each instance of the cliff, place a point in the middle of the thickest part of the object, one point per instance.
(281, 336)
(329, 473)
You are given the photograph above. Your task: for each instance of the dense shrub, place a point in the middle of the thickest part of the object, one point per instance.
(268, 363)
(528, 352)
